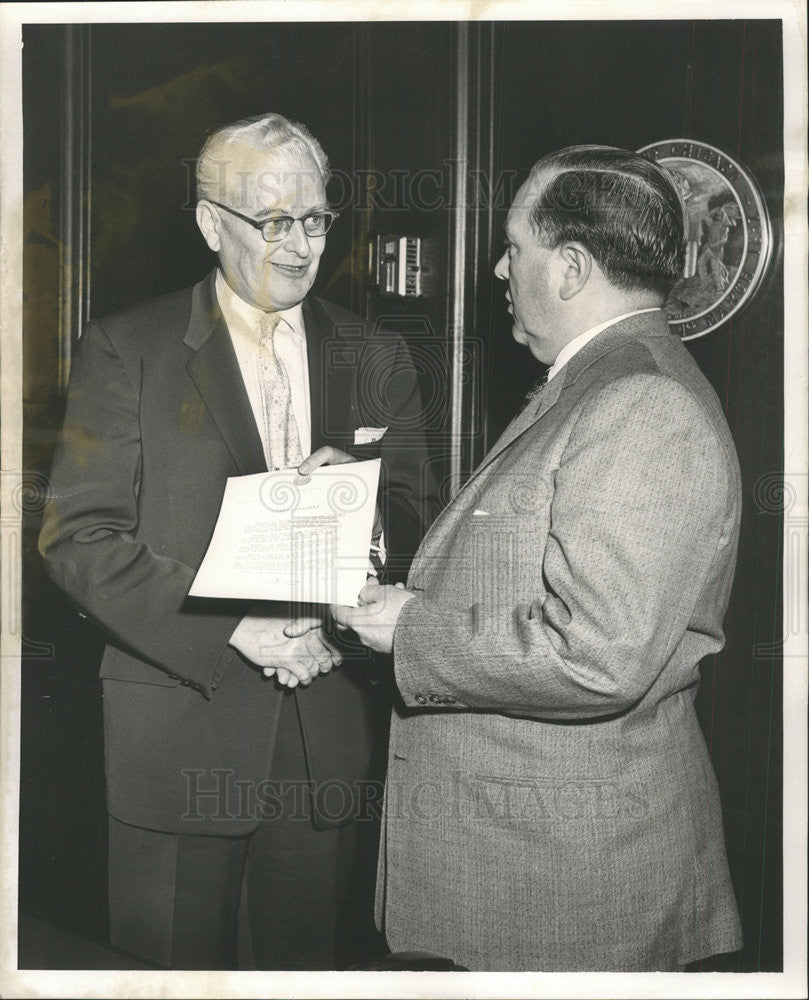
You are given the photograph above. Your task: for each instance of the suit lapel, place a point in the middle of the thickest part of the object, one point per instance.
(332, 370)
(215, 372)
(534, 410)
(614, 337)
(645, 325)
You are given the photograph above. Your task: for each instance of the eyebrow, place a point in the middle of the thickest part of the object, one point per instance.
(271, 213)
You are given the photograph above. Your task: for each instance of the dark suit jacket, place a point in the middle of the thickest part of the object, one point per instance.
(157, 419)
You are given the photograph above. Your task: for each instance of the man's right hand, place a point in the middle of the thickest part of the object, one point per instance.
(293, 661)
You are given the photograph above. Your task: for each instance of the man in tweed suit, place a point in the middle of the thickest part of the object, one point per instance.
(551, 804)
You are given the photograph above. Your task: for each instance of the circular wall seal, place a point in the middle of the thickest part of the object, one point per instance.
(729, 236)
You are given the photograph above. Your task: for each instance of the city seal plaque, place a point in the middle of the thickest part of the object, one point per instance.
(729, 236)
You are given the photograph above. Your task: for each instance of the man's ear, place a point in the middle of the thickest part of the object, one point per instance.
(577, 266)
(208, 222)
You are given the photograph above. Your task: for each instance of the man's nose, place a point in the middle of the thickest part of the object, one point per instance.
(501, 267)
(296, 239)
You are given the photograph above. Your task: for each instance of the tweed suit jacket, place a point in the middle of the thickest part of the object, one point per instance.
(550, 803)
(157, 419)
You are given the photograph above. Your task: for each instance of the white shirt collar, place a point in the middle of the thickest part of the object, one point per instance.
(575, 345)
(241, 315)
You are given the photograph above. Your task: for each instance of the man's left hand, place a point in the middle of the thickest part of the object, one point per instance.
(375, 620)
(333, 456)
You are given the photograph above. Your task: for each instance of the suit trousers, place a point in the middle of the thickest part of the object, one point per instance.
(176, 899)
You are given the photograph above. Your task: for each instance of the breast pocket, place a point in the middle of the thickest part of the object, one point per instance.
(363, 452)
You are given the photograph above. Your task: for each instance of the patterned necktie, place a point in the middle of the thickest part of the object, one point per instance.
(282, 445)
(535, 390)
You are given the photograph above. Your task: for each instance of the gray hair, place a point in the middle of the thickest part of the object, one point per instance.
(272, 132)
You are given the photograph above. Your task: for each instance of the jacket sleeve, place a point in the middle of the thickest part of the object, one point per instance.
(644, 499)
(89, 538)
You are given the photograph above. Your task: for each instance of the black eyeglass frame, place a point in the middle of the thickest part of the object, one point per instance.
(290, 221)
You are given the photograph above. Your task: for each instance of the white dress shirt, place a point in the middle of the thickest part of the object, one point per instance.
(577, 343)
(243, 321)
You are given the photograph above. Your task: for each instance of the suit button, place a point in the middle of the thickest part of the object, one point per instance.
(420, 699)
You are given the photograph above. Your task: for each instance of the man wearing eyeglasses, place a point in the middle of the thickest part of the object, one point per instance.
(237, 763)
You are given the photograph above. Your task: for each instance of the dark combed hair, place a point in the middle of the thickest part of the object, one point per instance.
(625, 209)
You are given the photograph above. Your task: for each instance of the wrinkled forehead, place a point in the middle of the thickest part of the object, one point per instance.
(274, 179)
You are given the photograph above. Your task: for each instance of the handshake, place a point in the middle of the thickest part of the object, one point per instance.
(295, 652)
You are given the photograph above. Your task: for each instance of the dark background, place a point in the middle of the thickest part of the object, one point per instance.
(383, 98)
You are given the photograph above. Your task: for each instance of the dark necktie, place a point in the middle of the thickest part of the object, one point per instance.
(535, 390)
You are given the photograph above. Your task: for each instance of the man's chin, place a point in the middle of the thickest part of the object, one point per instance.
(533, 345)
(286, 294)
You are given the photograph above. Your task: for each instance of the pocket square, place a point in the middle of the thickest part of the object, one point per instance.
(480, 513)
(367, 435)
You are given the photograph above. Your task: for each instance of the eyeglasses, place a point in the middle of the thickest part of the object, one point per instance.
(276, 228)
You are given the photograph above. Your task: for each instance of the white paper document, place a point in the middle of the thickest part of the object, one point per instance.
(281, 538)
